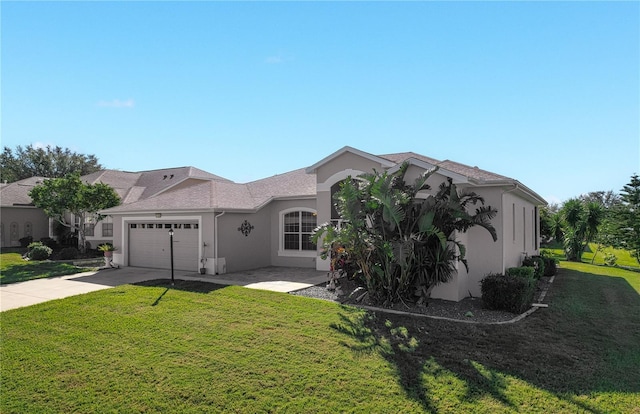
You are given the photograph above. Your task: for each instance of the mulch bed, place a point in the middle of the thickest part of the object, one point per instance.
(469, 309)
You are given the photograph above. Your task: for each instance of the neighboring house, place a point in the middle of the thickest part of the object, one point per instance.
(224, 226)
(19, 217)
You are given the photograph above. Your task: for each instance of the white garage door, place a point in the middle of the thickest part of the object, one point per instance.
(149, 245)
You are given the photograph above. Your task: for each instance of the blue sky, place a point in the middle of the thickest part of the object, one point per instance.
(544, 92)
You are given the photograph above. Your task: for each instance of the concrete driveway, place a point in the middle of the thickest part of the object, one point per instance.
(278, 279)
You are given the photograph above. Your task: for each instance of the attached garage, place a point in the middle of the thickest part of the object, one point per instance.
(149, 245)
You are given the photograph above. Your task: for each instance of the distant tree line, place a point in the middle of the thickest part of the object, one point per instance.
(63, 192)
(49, 162)
(605, 218)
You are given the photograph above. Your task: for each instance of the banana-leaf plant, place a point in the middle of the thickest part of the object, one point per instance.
(403, 243)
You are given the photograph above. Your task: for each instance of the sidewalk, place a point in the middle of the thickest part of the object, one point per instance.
(278, 279)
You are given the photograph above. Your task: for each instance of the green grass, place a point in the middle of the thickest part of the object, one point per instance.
(13, 268)
(624, 257)
(204, 348)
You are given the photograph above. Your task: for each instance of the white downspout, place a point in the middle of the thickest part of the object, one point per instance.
(215, 239)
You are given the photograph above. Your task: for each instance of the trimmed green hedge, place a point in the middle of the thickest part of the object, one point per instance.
(524, 271)
(512, 292)
(537, 263)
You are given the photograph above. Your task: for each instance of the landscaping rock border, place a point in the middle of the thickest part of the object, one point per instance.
(468, 310)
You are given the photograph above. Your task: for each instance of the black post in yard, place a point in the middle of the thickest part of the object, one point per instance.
(171, 249)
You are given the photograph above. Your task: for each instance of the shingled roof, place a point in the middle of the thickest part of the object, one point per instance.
(227, 195)
(473, 173)
(17, 193)
(189, 188)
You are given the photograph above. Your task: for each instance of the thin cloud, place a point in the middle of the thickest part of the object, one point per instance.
(117, 103)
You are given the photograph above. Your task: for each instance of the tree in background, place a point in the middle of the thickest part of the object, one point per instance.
(49, 162)
(59, 196)
(627, 215)
(551, 223)
(607, 199)
(581, 220)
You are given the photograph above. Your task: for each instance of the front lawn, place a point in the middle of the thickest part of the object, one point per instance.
(624, 257)
(13, 268)
(207, 348)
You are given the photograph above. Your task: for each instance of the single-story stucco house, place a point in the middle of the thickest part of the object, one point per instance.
(19, 218)
(224, 226)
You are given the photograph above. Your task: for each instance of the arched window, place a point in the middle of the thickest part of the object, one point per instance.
(296, 226)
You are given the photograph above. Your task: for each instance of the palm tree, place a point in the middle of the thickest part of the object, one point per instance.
(581, 221)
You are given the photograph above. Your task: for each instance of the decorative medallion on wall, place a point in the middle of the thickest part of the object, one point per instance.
(245, 228)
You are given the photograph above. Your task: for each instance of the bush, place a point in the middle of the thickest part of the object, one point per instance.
(38, 251)
(550, 263)
(49, 242)
(524, 272)
(509, 293)
(550, 266)
(610, 259)
(537, 263)
(25, 241)
(69, 253)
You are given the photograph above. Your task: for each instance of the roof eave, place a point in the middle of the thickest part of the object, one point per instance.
(517, 186)
(385, 163)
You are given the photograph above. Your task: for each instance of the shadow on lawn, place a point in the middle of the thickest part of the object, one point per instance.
(194, 286)
(587, 341)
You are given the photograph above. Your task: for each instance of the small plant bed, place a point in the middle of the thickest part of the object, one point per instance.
(470, 309)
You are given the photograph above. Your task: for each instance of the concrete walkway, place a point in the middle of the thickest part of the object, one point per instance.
(278, 279)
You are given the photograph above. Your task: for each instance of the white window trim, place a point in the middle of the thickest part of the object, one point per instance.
(281, 249)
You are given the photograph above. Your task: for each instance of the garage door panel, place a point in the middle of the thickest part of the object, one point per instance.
(149, 245)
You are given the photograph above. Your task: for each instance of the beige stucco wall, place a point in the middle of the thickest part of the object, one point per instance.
(345, 161)
(484, 256)
(239, 251)
(519, 229)
(21, 216)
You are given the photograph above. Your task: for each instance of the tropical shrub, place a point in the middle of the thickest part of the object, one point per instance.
(38, 251)
(507, 292)
(403, 245)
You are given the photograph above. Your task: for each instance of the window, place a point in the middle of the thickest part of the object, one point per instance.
(296, 227)
(89, 229)
(107, 229)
